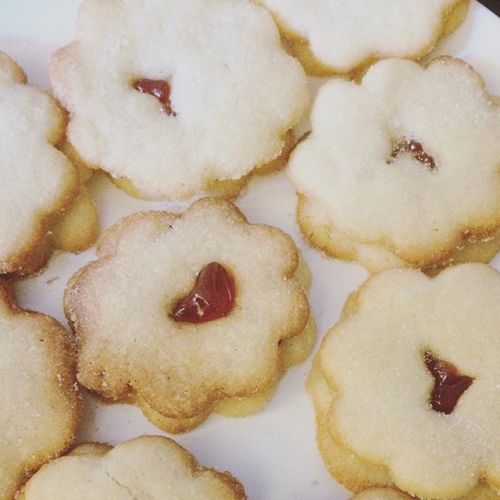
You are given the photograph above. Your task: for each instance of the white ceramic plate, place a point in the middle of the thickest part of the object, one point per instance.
(274, 452)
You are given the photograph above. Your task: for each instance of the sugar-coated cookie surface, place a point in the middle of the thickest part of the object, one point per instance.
(182, 312)
(147, 467)
(335, 36)
(403, 168)
(173, 96)
(38, 182)
(406, 385)
(38, 395)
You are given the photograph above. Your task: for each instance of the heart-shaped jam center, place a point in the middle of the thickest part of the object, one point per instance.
(157, 88)
(449, 385)
(415, 149)
(212, 296)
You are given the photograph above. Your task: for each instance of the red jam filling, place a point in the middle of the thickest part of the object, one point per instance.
(449, 385)
(157, 88)
(417, 151)
(212, 296)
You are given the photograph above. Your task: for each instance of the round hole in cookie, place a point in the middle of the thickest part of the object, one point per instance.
(161, 89)
(415, 149)
(449, 384)
(212, 296)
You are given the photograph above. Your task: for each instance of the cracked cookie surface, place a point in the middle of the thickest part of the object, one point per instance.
(145, 467)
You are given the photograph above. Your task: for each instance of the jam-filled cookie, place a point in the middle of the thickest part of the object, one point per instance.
(335, 36)
(38, 396)
(173, 97)
(406, 386)
(402, 169)
(39, 184)
(188, 314)
(145, 467)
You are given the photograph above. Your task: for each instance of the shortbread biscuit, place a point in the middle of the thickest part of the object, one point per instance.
(189, 314)
(479, 493)
(335, 36)
(38, 394)
(402, 169)
(381, 494)
(405, 385)
(172, 97)
(145, 467)
(39, 184)
(314, 223)
(79, 228)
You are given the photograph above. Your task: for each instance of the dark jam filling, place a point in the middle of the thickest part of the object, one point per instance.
(415, 149)
(212, 296)
(449, 385)
(157, 88)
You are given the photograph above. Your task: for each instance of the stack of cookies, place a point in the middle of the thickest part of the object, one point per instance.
(190, 313)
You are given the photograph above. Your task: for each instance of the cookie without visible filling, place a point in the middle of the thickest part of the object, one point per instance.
(405, 386)
(173, 97)
(402, 169)
(381, 494)
(39, 184)
(38, 395)
(145, 467)
(335, 36)
(188, 314)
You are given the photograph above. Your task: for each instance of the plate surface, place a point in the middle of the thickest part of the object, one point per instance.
(273, 452)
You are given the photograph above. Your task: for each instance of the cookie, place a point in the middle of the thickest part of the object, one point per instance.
(402, 169)
(405, 386)
(38, 393)
(79, 228)
(188, 314)
(39, 184)
(381, 494)
(172, 98)
(332, 37)
(145, 467)
(480, 493)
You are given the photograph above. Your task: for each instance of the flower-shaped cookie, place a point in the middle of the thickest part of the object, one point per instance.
(406, 386)
(335, 36)
(182, 312)
(38, 182)
(38, 394)
(402, 169)
(173, 97)
(145, 467)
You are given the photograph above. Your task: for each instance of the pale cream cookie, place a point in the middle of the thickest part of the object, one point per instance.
(38, 394)
(39, 184)
(381, 494)
(188, 314)
(480, 493)
(79, 228)
(173, 97)
(405, 386)
(150, 467)
(335, 36)
(402, 169)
